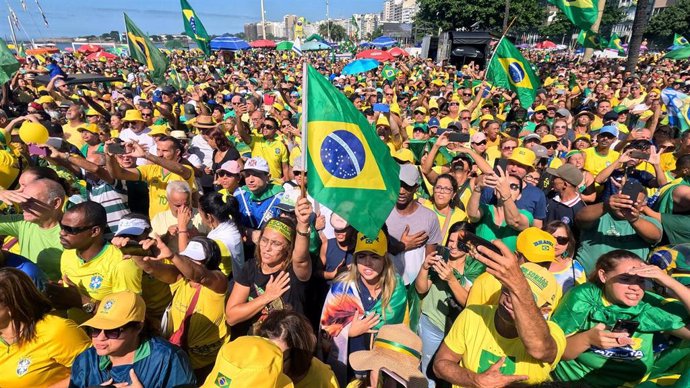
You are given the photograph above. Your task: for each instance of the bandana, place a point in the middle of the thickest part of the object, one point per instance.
(281, 228)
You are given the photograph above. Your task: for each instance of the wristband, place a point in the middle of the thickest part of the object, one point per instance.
(305, 234)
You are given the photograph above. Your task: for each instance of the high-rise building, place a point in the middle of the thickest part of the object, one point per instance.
(408, 11)
(392, 11)
(368, 24)
(250, 31)
(289, 26)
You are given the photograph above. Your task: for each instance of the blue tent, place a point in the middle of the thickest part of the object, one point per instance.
(383, 41)
(229, 43)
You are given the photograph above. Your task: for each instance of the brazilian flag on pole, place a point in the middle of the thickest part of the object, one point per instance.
(509, 69)
(349, 169)
(679, 40)
(583, 13)
(142, 49)
(615, 44)
(389, 73)
(590, 39)
(194, 28)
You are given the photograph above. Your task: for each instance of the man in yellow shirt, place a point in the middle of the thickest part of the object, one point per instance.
(166, 167)
(268, 147)
(497, 345)
(91, 268)
(599, 157)
(74, 116)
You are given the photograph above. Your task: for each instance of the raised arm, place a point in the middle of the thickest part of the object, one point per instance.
(301, 261)
(170, 165)
(117, 171)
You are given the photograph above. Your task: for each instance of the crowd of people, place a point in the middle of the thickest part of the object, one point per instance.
(159, 234)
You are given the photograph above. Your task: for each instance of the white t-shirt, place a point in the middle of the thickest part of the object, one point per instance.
(143, 138)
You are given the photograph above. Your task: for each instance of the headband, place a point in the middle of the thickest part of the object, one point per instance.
(281, 228)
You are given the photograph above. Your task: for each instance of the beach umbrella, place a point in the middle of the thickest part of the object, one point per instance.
(383, 41)
(89, 48)
(285, 45)
(360, 66)
(99, 55)
(379, 55)
(397, 51)
(263, 43)
(315, 46)
(229, 43)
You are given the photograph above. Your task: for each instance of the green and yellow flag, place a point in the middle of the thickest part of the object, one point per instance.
(509, 69)
(679, 53)
(8, 63)
(143, 50)
(583, 13)
(615, 44)
(389, 73)
(590, 39)
(679, 40)
(349, 168)
(194, 28)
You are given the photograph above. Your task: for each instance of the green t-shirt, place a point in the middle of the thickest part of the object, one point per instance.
(42, 246)
(487, 228)
(607, 234)
(434, 302)
(583, 308)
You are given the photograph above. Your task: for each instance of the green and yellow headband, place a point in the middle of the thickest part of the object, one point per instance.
(281, 228)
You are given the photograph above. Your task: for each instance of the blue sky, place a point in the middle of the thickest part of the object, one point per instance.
(80, 17)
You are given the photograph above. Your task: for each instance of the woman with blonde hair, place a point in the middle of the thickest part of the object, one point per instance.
(371, 294)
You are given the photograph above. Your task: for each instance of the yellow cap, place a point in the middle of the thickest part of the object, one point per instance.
(45, 100)
(540, 108)
(378, 246)
(93, 128)
(395, 108)
(536, 245)
(117, 310)
(161, 129)
(8, 169)
(132, 115)
(549, 139)
(383, 120)
(523, 156)
(433, 104)
(404, 155)
(93, 112)
(420, 109)
(250, 362)
(486, 117)
(437, 82)
(543, 284)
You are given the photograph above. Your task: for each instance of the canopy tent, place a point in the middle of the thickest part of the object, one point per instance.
(383, 41)
(42, 51)
(547, 44)
(285, 45)
(89, 48)
(74, 79)
(379, 55)
(263, 43)
(229, 43)
(314, 37)
(397, 51)
(315, 46)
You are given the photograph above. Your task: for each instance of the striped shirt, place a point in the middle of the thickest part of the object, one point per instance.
(112, 197)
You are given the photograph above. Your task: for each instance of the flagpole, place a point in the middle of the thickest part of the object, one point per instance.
(497, 45)
(305, 118)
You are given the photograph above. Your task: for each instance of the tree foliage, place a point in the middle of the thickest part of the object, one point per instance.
(337, 32)
(454, 14)
(673, 19)
(561, 26)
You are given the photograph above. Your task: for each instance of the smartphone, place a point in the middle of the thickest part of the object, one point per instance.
(116, 149)
(458, 137)
(390, 379)
(469, 240)
(35, 150)
(625, 326)
(633, 189)
(444, 252)
(502, 163)
(639, 155)
(384, 108)
(134, 249)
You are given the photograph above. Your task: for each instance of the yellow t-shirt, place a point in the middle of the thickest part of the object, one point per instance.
(9, 169)
(595, 162)
(457, 215)
(474, 336)
(157, 181)
(668, 161)
(273, 151)
(72, 135)
(104, 274)
(46, 360)
(206, 331)
(485, 290)
(319, 375)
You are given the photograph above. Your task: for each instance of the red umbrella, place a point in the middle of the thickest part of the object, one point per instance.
(89, 48)
(99, 55)
(379, 55)
(547, 44)
(263, 43)
(397, 51)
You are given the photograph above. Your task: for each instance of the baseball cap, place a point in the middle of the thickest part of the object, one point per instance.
(523, 156)
(610, 129)
(409, 174)
(531, 136)
(568, 173)
(536, 245)
(455, 124)
(93, 128)
(378, 246)
(549, 138)
(420, 109)
(288, 200)
(420, 127)
(117, 310)
(610, 116)
(167, 89)
(131, 227)
(194, 251)
(543, 284)
(404, 155)
(433, 122)
(478, 137)
(257, 164)
(231, 166)
(563, 112)
(539, 151)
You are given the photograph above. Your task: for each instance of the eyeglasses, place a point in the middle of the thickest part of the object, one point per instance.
(454, 104)
(389, 94)
(483, 142)
(146, 114)
(465, 117)
(560, 127)
(514, 186)
(551, 146)
(443, 189)
(274, 244)
(508, 148)
(562, 240)
(265, 126)
(75, 229)
(467, 94)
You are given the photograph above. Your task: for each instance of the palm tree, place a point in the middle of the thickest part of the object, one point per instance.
(638, 27)
(337, 32)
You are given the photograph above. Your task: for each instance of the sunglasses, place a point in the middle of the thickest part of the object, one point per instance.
(483, 142)
(453, 104)
(223, 174)
(507, 148)
(285, 126)
(562, 240)
(296, 173)
(146, 115)
(110, 334)
(551, 146)
(389, 94)
(467, 94)
(264, 126)
(75, 229)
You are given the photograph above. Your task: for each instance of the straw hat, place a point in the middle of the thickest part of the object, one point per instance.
(396, 348)
(204, 122)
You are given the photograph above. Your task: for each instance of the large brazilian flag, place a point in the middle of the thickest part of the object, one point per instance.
(510, 70)
(349, 169)
(582, 13)
(194, 28)
(143, 50)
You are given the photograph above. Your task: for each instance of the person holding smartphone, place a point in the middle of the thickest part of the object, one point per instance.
(602, 352)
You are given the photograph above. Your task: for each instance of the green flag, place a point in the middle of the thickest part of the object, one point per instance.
(349, 168)
(8, 63)
(389, 73)
(679, 40)
(681, 53)
(590, 39)
(194, 28)
(583, 13)
(143, 50)
(509, 69)
(615, 44)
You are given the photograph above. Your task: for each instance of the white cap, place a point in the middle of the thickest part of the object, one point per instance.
(409, 174)
(256, 164)
(131, 227)
(194, 251)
